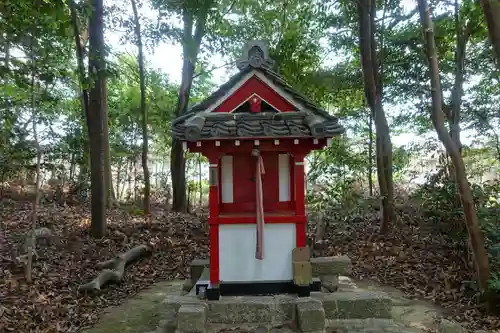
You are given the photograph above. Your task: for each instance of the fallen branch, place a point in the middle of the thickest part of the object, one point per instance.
(114, 269)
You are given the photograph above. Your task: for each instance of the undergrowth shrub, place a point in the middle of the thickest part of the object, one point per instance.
(444, 212)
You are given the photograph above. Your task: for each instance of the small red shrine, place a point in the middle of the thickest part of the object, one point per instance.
(255, 131)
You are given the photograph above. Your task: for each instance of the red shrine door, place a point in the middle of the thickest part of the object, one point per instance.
(244, 190)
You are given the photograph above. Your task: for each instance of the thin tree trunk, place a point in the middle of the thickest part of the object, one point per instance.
(135, 178)
(72, 167)
(32, 240)
(370, 155)
(373, 91)
(129, 179)
(84, 98)
(118, 179)
(96, 119)
(475, 234)
(190, 54)
(108, 174)
(491, 9)
(462, 37)
(142, 79)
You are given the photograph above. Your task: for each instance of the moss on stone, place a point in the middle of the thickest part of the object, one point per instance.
(139, 314)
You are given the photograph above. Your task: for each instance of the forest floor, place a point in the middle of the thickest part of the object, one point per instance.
(411, 258)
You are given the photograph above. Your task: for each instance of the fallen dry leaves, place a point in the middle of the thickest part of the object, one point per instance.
(52, 303)
(412, 257)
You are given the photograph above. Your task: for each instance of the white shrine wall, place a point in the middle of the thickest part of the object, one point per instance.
(237, 261)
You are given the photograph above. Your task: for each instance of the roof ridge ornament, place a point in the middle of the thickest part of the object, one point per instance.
(255, 54)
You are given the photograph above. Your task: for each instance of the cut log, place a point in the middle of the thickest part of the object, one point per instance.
(114, 269)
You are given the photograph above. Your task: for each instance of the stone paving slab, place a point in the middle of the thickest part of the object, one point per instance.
(310, 316)
(355, 304)
(247, 309)
(339, 265)
(192, 318)
(367, 326)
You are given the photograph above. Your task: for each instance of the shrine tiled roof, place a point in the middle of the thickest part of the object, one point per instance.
(307, 120)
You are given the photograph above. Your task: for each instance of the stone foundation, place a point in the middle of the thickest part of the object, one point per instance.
(323, 312)
(189, 314)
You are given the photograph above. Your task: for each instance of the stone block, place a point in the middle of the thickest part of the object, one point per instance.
(241, 310)
(301, 254)
(365, 326)
(196, 269)
(340, 265)
(330, 282)
(192, 318)
(449, 326)
(310, 315)
(302, 273)
(169, 324)
(174, 302)
(357, 305)
(284, 307)
(187, 286)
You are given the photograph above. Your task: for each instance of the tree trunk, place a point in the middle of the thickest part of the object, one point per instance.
(135, 178)
(462, 37)
(96, 119)
(108, 175)
(142, 79)
(129, 179)
(491, 9)
(118, 179)
(475, 234)
(32, 239)
(370, 155)
(84, 98)
(373, 91)
(190, 54)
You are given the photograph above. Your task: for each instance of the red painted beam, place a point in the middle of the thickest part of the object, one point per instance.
(252, 220)
(228, 146)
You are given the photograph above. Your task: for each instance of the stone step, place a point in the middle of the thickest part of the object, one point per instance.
(251, 309)
(355, 304)
(252, 328)
(310, 315)
(327, 266)
(239, 309)
(192, 318)
(367, 326)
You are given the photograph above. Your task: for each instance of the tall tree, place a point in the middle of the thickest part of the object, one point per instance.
(491, 9)
(475, 234)
(79, 47)
(194, 22)
(97, 118)
(34, 115)
(373, 92)
(142, 83)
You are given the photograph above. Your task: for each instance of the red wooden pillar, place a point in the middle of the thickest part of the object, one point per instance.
(213, 196)
(300, 209)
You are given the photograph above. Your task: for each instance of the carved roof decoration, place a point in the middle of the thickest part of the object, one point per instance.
(307, 120)
(255, 55)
